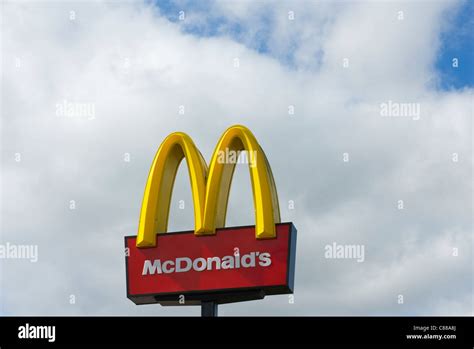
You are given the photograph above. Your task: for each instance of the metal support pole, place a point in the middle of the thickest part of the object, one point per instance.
(208, 309)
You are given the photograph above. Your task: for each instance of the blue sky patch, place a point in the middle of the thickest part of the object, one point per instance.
(457, 43)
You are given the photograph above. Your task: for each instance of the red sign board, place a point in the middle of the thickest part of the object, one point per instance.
(230, 266)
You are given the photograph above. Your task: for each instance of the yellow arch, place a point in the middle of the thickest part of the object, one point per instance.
(210, 193)
(265, 199)
(157, 197)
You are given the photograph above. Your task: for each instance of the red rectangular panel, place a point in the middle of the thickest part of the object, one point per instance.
(233, 260)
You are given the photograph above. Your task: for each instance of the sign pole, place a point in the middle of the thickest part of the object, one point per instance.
(208, 309)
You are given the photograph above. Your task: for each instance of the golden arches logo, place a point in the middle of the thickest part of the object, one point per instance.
(210, 187)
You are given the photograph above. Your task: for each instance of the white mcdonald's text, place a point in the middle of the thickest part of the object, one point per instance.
(185, 264)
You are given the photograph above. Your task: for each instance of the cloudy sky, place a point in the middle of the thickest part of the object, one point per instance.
(310, 79)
